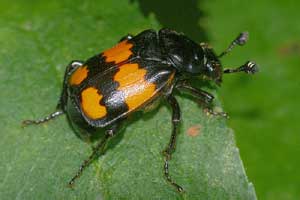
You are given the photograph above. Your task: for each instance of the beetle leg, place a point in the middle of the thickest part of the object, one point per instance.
(73, 65)
(171, 146)
(62, 101)
(210, 111)
(127, 37)
(203, 97)
(43, 120)
(96, 150)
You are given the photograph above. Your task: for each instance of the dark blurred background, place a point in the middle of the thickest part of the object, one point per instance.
(178, 15)
(264, 109)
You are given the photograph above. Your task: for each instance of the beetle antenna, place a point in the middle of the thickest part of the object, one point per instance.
(249, 67)
(240, 40)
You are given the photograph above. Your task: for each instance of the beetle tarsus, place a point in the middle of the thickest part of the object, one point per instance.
(42, 120)
(209, 111)
(172, 143)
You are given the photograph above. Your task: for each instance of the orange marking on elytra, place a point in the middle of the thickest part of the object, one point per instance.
(91, 103)
(78, 75)
(118, 53)
(132, 82)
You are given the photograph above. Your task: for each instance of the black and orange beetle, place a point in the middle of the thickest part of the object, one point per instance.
(101, 92)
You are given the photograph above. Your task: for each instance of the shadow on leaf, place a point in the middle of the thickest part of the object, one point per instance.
(182, 16)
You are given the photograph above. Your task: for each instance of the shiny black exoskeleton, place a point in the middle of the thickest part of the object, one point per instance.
(102, 91)
(189, 57)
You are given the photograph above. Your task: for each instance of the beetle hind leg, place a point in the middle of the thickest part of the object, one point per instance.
(63, 98)
(171, 146)
(95, 154)
(72, 66)
(43, 120)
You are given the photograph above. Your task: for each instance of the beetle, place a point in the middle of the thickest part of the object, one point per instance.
(101, 92)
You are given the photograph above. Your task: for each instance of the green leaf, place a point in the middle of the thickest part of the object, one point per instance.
(37, 41)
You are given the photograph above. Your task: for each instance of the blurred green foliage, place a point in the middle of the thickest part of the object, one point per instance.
(264, 109)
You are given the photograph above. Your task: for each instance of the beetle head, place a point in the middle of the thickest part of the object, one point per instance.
(190, 58)
(212, 68)
(197, 60)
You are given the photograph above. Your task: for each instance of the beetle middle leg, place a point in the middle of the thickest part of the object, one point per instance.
(96, 150)
(171, 146)
(203, 97)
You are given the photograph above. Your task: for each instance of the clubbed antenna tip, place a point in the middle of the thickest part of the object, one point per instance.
(240, 40)
(250, 67)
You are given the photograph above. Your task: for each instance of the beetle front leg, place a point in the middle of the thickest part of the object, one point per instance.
(171, 146)
(203, 97)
